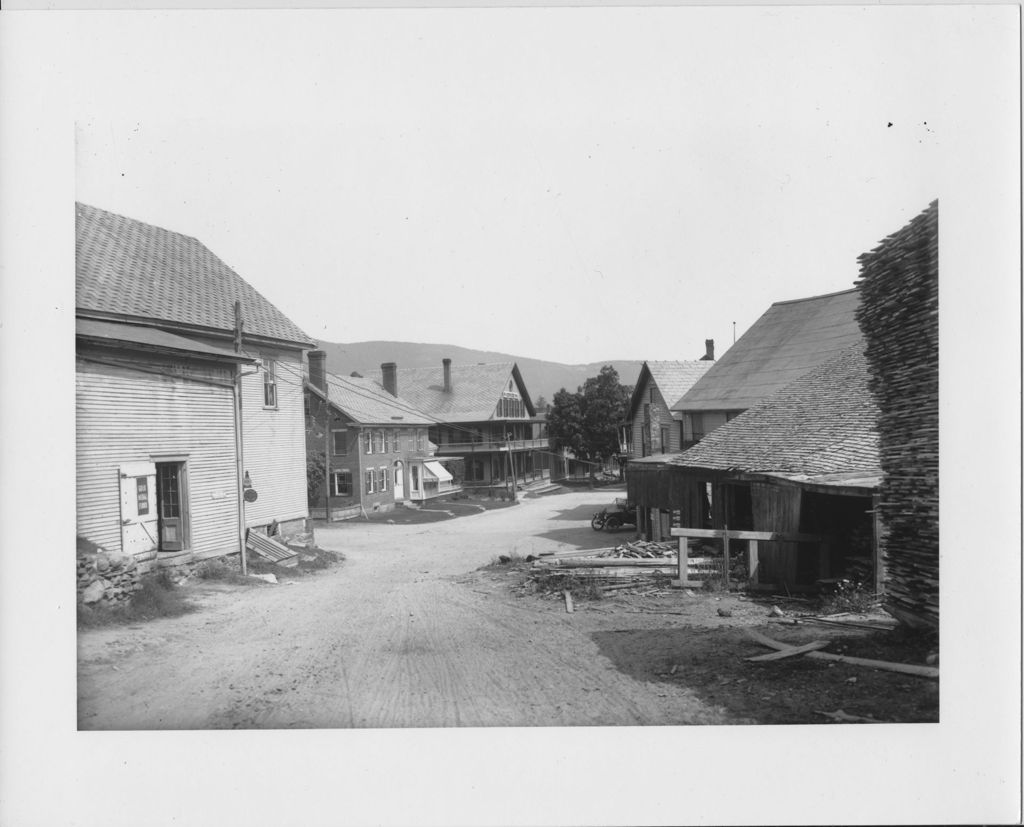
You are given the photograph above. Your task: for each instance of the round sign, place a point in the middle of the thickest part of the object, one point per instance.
(250, 495)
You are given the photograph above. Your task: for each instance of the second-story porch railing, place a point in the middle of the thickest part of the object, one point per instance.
(492, 445)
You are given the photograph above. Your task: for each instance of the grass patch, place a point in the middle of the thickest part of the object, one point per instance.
(158, 597)
(508, 561)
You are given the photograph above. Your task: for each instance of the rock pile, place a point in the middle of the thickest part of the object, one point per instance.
(107, 577)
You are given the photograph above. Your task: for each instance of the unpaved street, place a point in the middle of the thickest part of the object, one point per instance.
(403, 634)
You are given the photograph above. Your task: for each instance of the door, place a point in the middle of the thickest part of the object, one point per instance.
(138, 507)
(399, 481)
(171, 505)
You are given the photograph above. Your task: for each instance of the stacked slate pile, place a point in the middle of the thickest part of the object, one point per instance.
(899, 317)
(107, 577)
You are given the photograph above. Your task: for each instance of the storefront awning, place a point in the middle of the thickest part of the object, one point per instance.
(435, 469)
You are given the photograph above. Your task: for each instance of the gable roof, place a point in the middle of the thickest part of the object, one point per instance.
(826, 422)
(789, 339)
(475, 391)
(672, 378)
(129, 270)
(367, 403)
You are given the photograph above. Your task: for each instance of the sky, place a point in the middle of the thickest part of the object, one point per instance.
(574, 185)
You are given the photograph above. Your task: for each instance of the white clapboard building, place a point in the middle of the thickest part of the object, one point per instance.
(170, 467)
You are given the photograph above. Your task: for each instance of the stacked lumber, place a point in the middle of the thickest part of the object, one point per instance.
(898, 315)
(641, 549)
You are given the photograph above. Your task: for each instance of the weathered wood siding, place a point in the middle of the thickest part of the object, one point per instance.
(123, 415)
(660, 417)
(777, 508)
(274, 440)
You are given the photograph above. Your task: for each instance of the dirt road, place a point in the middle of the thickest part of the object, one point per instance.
(403, 634)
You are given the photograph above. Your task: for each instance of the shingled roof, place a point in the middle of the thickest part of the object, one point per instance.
(672, 378)
(131, 271)
(789, 339)
(367, 403)
(474, 393)
(825, 422)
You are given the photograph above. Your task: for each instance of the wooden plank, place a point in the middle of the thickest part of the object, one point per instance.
(904, 668)
(725, 552)
(790, 652)
(568, 602)
(610, 562)
(766, 536)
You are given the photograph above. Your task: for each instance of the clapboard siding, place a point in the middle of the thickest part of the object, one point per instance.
(661, 417)
(129, 416)
(275, 441)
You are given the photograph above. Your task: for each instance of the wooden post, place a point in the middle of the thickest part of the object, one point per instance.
(876, 551)
(684, 566)
(725, 554)
(752, 578)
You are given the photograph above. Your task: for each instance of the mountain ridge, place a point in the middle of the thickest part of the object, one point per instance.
(542, 377)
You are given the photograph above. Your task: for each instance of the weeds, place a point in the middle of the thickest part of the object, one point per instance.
(158, 597)
(849, 596)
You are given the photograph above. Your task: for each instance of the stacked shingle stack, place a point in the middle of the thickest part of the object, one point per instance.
(899, 316)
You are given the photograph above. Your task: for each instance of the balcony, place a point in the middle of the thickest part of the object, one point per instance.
(491, 446)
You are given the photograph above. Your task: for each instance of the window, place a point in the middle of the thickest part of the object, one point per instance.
(664, 441)
(341, 483)
(419, 441)
(415, 474)
(269, 383)
(370, 482)
(340, 442)
(378, 442)
(396, 445)
(651, 395)
(142, 492)
(383, 477)
(368, 442)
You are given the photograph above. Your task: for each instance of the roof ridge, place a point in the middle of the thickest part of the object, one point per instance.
(821, 296)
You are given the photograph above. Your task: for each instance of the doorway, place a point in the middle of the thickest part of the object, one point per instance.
(172, 506)
(399, 486)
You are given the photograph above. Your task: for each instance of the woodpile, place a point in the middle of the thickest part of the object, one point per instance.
(898, 315)
(640, 549)
(107, 577)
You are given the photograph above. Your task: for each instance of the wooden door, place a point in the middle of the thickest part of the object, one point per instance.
(138, 507)
(171, 505)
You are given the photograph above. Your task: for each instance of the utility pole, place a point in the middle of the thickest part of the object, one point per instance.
(511, 464)
(239, 447)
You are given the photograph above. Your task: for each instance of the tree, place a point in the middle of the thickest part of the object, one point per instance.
(587, 422)
(541, 405)
(565, 421)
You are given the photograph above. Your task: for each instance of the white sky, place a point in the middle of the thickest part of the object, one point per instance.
(570, 184)
(566, 184)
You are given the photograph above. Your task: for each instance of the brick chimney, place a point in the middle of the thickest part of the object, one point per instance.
(318, 369)
(389, 372)
(447, 374)
(709, 347)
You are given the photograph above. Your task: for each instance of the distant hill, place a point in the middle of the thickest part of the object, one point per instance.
(542, 378)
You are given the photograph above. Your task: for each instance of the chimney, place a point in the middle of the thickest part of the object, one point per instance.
(709, 346)
(389, 371)
(447, 375)
(318, 369)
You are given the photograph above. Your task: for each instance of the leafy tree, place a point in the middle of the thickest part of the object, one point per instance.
(541, 405)
(587, 422)
(565, 421)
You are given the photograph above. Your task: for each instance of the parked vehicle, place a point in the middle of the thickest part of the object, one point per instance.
(622, 513)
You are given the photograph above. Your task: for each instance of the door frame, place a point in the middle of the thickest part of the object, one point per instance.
(181, 462)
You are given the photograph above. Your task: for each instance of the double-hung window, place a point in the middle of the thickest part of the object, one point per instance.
(339, 439)
(378, 442)
(269, 383)
(367, 442)
(341, 483)
(383, 477)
